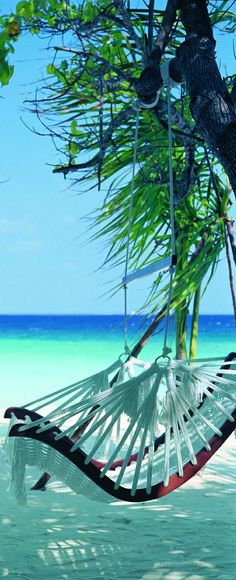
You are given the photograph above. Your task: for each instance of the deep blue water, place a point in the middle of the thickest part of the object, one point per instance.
(62, 327)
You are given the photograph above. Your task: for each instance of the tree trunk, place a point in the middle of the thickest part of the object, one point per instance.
(194, 325)
(211, 105)
(231, 280)
(181, 331)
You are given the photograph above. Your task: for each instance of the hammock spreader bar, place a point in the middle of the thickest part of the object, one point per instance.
(157, 266)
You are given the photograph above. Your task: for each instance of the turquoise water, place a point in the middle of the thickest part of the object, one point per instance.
(41, 353)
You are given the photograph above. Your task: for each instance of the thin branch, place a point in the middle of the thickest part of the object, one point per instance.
(101, 140)
(97, 57)
(231, 281)
(128, 25)
(115, 123)
(161, 314)
(168, 21)
(229, 225)
(150, 24)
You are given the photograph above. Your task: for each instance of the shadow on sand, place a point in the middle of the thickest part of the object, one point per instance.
(188, 534)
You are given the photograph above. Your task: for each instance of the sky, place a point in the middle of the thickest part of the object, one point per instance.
(47, 264)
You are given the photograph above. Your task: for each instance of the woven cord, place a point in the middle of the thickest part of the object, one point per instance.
(166, 349)
(127, 350)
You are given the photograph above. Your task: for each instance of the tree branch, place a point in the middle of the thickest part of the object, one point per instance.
(163, 36)
(107, 136)
(150, 80)
(211, 105)
(231, 282)
(97, 57)
(128, 25)
(150, 24)
(161, 314)
(229, 225)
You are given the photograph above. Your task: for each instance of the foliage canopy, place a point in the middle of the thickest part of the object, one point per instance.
(85, 104)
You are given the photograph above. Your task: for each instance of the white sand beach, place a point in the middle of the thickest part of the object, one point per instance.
(189, 534)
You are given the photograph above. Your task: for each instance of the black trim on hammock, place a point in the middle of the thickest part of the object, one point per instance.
(229, 358)
(92, 470)
(21, 413)
(41, 483)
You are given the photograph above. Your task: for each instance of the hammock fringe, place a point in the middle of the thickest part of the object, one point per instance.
(138, 434)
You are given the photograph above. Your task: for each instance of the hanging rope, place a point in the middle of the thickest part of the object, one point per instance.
(172, 261)
(166, 349)
(136, 106)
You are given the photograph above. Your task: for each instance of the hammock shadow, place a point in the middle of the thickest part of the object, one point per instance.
(61, 535)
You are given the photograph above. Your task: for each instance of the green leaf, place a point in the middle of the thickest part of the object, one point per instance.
(51, 69)
(6, 72)
(24, 9)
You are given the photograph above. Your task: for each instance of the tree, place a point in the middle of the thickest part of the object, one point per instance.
(106, 54)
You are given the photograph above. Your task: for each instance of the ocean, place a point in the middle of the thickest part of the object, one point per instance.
(41, 353)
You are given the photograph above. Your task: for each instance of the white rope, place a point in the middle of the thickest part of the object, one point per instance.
(137, 105)
(137, 108)
(133, 275)
(166, 349)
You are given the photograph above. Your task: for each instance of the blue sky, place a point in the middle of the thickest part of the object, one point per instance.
(46, 264)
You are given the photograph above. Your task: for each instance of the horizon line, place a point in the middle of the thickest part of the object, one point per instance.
(131, 314)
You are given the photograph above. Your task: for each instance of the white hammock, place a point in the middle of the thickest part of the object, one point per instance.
(144, 436)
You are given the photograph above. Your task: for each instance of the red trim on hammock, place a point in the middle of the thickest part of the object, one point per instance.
(92, 470)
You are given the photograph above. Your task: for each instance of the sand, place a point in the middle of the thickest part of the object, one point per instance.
(188, 534)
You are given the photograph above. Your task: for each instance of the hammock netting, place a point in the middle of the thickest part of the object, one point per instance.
(136, 440)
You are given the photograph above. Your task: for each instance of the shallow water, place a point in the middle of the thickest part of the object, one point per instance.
(41, 353)
(188, 534)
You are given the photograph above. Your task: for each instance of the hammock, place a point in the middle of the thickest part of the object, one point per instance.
(143, 437)
(135, 431)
